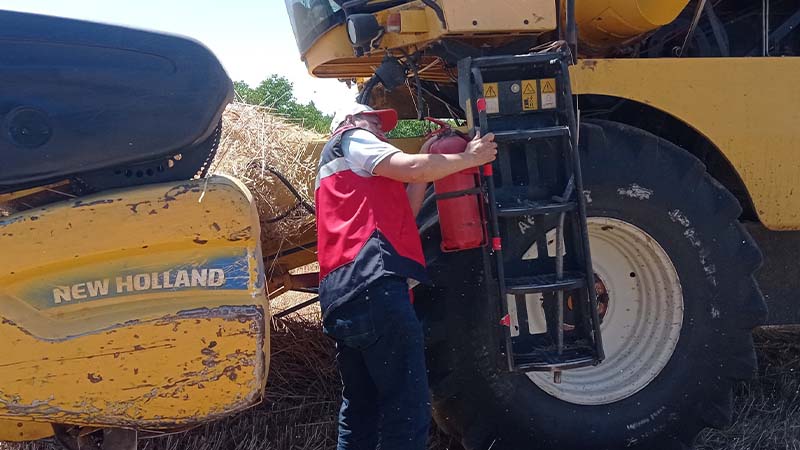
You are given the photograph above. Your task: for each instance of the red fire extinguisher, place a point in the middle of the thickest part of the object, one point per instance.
(458, 197)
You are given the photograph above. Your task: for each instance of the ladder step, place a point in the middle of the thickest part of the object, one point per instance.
(550, 135)
(547, 360)
(527, 135)
(533, 208)
(545, 283)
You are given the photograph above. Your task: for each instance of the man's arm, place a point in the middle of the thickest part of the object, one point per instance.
(426, 168)
(416, 191)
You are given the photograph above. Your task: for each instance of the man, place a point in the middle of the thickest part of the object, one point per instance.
(368, 248)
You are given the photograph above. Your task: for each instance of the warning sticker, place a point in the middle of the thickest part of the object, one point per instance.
(548, 93)
(530, 102)
(490, 92)
(549, 86)
(529, 87)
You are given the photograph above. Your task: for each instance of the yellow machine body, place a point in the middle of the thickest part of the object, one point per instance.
(604, 24)
(21, 430)
(141, 307)
(745, 106)
(331, 56)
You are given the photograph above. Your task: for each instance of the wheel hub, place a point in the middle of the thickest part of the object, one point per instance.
(640, 326)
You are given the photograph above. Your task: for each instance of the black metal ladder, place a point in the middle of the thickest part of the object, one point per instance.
(536, 184)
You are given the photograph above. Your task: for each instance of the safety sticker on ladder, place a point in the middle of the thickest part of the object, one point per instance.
(490, 93)
(530, 102)
(548, 93)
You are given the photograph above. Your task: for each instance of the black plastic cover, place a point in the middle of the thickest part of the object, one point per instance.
(78, 96)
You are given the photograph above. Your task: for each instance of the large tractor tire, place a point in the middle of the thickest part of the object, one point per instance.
(678, 268)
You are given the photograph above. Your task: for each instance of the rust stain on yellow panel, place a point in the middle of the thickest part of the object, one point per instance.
(142, 307)
(753, 123)
(18, 431)
(180, 369)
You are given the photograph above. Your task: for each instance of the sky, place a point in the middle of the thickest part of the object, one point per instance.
(252, 38)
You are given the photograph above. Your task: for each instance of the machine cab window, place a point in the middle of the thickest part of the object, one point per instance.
(311, 18)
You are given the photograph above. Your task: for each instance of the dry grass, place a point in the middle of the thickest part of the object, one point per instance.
(767, 410)
(255, 140)
(302, 401)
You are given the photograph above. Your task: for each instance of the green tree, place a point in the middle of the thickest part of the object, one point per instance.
(277, 92)
(415, 128)
(410, 128)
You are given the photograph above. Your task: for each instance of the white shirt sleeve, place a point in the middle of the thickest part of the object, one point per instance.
(363, 151)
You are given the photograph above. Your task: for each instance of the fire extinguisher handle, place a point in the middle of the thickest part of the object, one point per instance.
(443, 127)
(441, 123)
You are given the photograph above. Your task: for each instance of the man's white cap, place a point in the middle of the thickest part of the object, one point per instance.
(388, 116)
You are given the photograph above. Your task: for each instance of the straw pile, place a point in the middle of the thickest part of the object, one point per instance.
(253, 141)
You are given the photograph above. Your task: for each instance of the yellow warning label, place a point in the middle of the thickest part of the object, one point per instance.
(549, 86)
(490, 90)
(529, 87)
(530, 102)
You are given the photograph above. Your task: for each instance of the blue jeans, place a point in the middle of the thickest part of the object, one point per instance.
(381, 358)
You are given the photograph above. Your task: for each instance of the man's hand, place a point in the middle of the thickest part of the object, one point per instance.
(482, 150)
(426, 167)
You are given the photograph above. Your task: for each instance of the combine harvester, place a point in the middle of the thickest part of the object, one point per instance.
(598, 291)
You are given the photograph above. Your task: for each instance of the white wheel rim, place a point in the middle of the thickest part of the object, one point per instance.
(643, 321)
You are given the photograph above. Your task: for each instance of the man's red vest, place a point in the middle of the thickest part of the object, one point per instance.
(365, 229)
